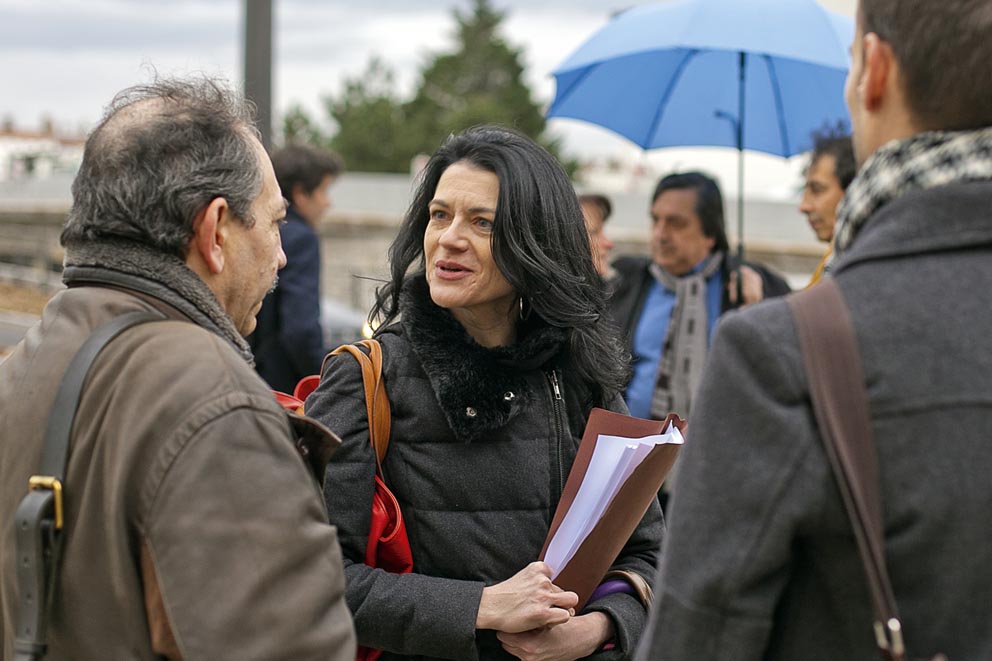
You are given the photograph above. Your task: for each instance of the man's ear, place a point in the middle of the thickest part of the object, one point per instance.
(878, 72)
(297, 193)
(210, 229)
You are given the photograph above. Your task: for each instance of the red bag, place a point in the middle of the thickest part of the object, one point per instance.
(388, 547)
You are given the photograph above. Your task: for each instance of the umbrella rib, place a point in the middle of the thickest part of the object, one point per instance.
(779, 108)
(663, 103)
(562, 96)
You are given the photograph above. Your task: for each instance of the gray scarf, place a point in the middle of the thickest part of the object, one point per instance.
(131, 265)
(684, 350)
(926, 160)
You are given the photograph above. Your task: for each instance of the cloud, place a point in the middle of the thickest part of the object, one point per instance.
(72, 26)
(67, 58)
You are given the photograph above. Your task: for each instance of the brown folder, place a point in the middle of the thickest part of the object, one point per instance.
(600, 549)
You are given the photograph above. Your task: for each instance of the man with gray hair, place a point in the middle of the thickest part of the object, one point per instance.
(190, 516)
(761, 560)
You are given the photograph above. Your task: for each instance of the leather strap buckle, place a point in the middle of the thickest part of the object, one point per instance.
(54, 485)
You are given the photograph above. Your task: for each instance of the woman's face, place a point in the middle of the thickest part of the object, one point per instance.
(458, 255)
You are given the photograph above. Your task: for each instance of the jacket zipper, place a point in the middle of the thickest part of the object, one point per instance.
(556, 407)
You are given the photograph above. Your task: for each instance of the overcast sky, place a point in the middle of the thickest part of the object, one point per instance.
(65, 58)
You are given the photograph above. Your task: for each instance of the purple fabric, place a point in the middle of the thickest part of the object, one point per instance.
(610, 587)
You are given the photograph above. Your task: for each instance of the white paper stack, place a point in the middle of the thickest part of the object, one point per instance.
(613, 460)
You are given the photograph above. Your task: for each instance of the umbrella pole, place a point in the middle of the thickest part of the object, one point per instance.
(740, 178)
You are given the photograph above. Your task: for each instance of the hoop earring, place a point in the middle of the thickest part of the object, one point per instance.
(524, 315)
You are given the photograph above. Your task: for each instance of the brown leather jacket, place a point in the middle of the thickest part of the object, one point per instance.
(193, 527)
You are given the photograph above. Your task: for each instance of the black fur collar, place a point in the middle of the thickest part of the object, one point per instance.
(478, 388)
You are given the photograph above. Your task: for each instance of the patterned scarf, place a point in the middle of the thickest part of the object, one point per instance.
(684, 349)
(926, 160)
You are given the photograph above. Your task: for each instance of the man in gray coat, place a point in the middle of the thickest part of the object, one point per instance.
(193, 526)
(760, 560)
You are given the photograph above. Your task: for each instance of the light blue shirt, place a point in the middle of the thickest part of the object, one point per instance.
(649, 336)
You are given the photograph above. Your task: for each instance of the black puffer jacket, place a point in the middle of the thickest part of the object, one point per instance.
(480, 448)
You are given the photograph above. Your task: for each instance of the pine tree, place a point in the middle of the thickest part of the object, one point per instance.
(370, 122)
(479, 82)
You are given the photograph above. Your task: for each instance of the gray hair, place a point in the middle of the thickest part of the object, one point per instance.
(160, 154)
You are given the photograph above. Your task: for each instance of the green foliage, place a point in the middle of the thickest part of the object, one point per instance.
(370, 122)
(480, 81)
(298, 127)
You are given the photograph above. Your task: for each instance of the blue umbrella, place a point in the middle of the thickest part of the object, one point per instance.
(748, 74)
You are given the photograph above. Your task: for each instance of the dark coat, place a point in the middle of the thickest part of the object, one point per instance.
(633, 280)
(288, 342)
(480, 448)
(760, 561)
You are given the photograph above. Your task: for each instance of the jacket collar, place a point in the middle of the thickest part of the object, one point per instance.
(951, 217)
(130, 265)
(479, 389)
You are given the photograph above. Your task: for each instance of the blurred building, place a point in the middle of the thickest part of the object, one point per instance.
(37, 154)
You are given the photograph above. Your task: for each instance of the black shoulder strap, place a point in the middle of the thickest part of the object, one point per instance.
(39, 517)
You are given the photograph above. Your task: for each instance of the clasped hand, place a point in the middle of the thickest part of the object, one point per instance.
(527, 600)
(534, 618)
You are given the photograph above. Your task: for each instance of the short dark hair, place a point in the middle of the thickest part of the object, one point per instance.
(600, 201)
(539, 243)
(709, 202)
(304, 165)
(943, 50)
(839, 145)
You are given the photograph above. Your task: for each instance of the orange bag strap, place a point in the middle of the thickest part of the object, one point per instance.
(376, 401)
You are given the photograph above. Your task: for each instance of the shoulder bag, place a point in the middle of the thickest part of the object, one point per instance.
(40, 515)
(388, 547)
(840, 404)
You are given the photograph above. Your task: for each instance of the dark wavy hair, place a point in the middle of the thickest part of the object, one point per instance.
(539, 243)
(160, 154)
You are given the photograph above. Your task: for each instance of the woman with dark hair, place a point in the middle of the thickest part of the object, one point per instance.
(496, 346)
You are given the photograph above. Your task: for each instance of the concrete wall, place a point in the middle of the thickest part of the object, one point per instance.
(356, 234)
(355, 250)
